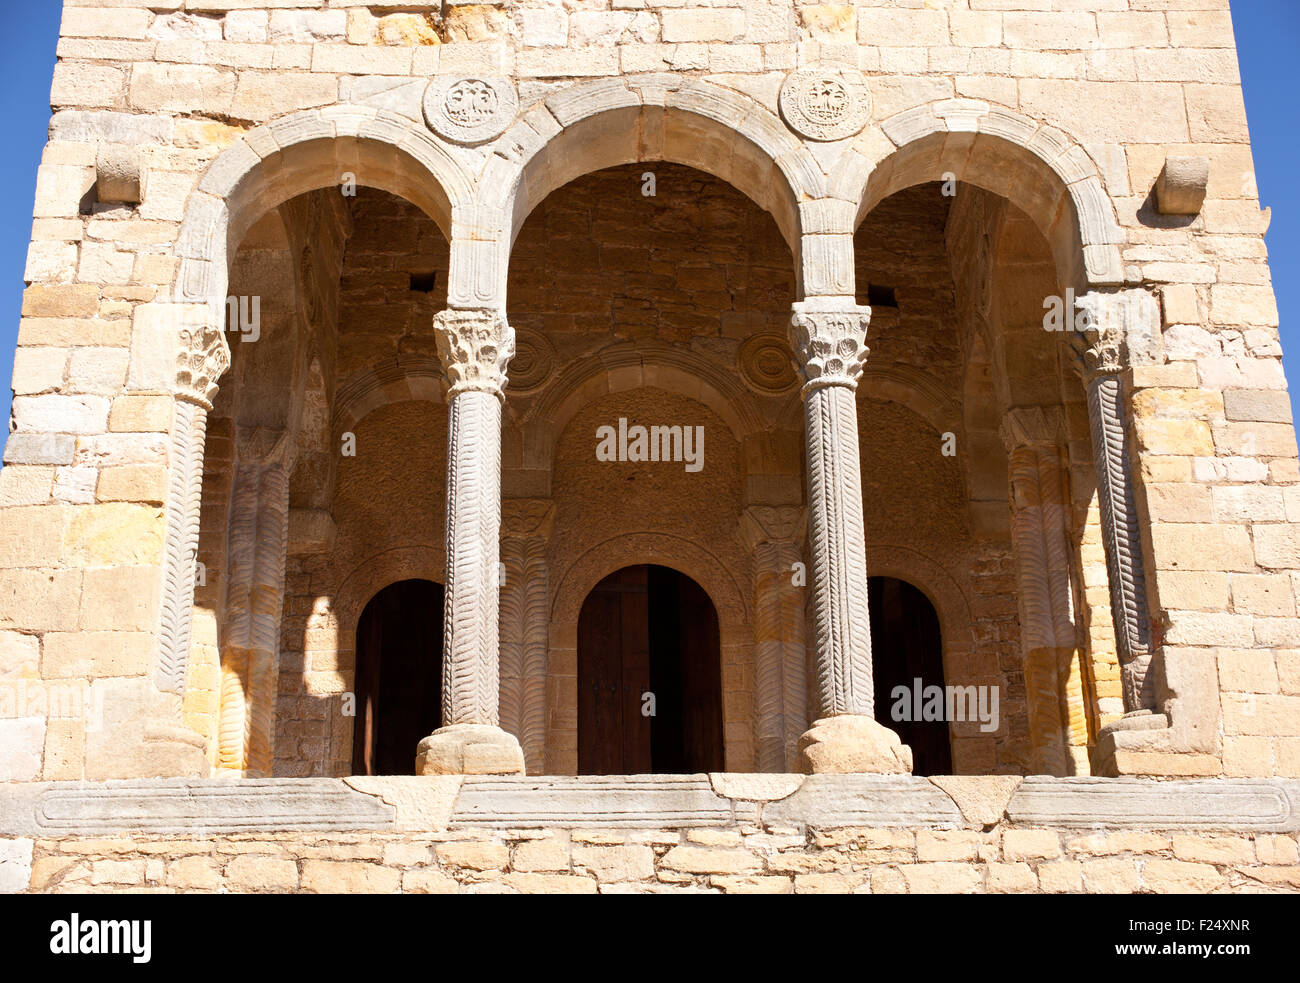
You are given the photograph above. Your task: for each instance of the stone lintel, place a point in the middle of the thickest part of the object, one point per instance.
(393, 803)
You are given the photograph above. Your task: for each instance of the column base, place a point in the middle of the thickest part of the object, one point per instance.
(852, 743)
(469, 749)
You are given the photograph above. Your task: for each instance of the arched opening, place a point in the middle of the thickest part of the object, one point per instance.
(398, 677)
(649, 676)
(907, 668)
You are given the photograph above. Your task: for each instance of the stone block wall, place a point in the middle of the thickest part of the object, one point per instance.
(202, 93)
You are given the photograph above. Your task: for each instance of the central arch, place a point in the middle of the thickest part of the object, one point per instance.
(604, 123)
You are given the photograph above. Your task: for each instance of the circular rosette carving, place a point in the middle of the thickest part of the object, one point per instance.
(826, 103)
(470, 110)
(767, 364)
(533, 362)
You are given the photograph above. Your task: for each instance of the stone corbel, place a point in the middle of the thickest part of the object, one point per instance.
(1181, 186)
(119, 174)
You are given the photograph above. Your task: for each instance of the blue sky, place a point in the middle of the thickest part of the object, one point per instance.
(1268, 37)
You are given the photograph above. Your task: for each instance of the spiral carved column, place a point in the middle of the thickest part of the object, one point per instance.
(1102, 363)
(774, 535)
(1035, 442)
(475, 347)
(257, 537)
(526, 530)
(829, 341)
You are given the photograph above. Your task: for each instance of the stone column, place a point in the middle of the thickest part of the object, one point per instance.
(829, 340)
(1103, 344)
(475, 347)
(257, 541)
(201, 357)
(775, 534)
(526, 529)
(1036, 450)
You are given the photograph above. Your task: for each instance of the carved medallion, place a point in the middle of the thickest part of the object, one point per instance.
(826, 103)
(470, 110)
(533, 361)
(767, 364)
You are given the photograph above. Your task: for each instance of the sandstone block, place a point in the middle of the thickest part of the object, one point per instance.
(349, 877)
(469, 749)
(1179, 877)
(473, 855)
(702, 860)
(940, 878)
(615, 863)
(850, 744)
(253, 873)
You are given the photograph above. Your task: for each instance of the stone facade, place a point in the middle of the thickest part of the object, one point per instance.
(324, 295)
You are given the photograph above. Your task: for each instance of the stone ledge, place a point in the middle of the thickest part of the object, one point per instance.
(643, 801)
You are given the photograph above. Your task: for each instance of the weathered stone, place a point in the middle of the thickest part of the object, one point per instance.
(852, 743)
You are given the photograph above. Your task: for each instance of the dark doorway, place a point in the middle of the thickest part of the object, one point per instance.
(906, 647)
(399, 677)
(649, 631)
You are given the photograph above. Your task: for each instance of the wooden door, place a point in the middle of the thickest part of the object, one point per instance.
(906, 646)
(398, 677)
(613, 671)
(648, 630)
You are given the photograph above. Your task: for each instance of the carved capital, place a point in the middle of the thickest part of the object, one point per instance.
(830, 343)
(1033, 426)
(202, 357)
(773, 524)
(1121, 328)
(527, 517)
(265, 448)
(475, 347)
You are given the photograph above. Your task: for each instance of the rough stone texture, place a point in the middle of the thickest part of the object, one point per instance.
(853, 743)
(469, 749)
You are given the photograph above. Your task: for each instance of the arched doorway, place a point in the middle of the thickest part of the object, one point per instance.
(907, 652)
(399, 677)
(649, 676)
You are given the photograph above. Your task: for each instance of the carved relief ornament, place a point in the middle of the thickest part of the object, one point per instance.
(830, 344)
(475, 347)
(828, 102)
(470, 109)
(202, 357)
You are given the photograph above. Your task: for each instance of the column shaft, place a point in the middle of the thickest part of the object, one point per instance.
(470, 612)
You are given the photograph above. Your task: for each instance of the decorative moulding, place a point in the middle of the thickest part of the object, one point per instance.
(827, 102)
(767, 364)
(470, 110)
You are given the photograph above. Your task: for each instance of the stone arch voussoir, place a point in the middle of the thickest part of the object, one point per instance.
(1038, 167)
(302, 152)
(603, 123)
